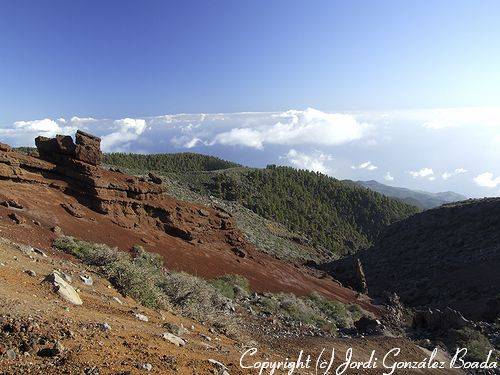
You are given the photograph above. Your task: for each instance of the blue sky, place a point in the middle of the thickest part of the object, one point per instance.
(390, 73)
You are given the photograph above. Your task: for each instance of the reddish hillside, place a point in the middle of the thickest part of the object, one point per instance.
(67, 190)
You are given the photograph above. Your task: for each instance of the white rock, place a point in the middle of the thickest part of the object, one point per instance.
(87, 280)
(173, 339)
(65, 290)
(141, 317)
(222, 370)
(117, 300)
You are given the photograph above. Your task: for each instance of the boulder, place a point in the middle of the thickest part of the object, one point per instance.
(62, 148)
(55, 149)
(16, 218)
(154, 178)
(173, 339)
(65, 290)
(175, 329)
(4, 147)
(88, 148)
(368, 326)
(439, 320)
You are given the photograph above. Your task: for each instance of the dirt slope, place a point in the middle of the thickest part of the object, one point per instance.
(94, 204)
(34, 318)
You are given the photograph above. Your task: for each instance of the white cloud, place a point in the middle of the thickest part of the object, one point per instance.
(442, 118)
(127, 130)
(456, 172)
(82, 120)
(388, 177)
(240, 136)
(366, 165)
(313, 162)
(294, 128)
(422, 173)
(47, 126)
(192, 143)
(487, 180)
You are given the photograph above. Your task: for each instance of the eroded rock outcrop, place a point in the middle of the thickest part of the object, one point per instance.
(61, 149)
(130, 202)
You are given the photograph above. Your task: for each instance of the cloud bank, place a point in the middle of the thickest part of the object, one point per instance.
(345, 145)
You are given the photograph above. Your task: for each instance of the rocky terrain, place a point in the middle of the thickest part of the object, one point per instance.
(102, 272)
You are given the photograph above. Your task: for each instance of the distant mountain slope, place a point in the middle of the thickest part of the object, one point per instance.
(336, 216)
(421, 199)
(447, 256)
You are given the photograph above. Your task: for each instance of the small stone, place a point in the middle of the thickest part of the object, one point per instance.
(147, 366)
(118, 300)
(173, 339)
(40, 252)
(154, 178)
(65, 290)
(203, 212)
(105, 327)
(87, 280)
(175, 329)
(205, 337)
(11, 354)
(141, 317)
(30, 273)
(16, 218)
(222, 370)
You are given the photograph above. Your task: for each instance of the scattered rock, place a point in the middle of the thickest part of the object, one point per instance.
(105, 327)
(147, 366)
(72, 210)
(154, 178)
(40, 252)
(12, 204)
(30, 273)
(368, 326)
(222, 370)
(439, 320)
(65, 290)
(87, 280)
(118, 300)
(16, 218)
(175, 329)
(203, 212)
(141, 317)
(173, 339)
(205, 337)
(56, 350)
(239, 252)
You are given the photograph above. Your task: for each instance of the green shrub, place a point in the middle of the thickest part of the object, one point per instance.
(232, 286)
(476, 343)
(334, 311)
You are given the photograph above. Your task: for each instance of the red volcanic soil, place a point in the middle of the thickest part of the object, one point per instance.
(97, 205)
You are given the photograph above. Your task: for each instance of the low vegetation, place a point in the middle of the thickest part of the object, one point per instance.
(142, 276)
